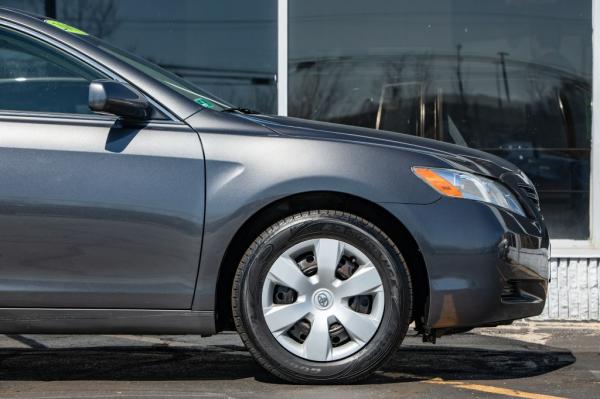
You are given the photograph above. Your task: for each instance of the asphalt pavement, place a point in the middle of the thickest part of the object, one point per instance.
(527, 360)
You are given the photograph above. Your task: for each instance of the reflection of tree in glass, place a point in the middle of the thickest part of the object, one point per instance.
(96, 17)
(262, 98)
(349, 89)
(316, 91)
(35, 6)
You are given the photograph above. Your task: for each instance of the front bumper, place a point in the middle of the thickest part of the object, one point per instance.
(485, 265)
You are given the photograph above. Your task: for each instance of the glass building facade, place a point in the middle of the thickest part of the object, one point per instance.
(228, 47)
(511, 77)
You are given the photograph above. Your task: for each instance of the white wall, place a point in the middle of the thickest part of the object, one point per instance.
(573, 293)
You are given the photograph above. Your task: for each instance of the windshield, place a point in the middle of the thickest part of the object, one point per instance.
(175, 82)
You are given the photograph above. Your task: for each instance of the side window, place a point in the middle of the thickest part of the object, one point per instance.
(37, 77)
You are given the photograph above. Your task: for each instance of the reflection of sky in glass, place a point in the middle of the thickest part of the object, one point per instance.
(553, 32)
(216, 34)
(230, 34)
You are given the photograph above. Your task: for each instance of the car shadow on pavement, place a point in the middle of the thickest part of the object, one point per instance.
(229, 362)
(465, 363)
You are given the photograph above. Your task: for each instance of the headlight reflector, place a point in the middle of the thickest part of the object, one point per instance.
(458, 184)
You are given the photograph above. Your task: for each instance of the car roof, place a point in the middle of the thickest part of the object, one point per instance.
(176, 103)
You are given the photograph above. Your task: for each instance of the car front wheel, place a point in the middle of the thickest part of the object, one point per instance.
(322, 297)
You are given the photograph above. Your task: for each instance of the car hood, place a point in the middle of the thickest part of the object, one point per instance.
(457, 157)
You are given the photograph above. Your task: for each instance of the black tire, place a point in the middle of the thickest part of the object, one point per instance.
(251, 274)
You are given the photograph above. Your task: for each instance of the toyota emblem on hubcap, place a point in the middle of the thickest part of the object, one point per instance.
(323, 300)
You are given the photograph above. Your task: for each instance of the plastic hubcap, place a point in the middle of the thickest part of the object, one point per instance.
(319, 319)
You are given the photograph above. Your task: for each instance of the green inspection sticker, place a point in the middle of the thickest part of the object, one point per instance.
(65, 27)
(204, 102)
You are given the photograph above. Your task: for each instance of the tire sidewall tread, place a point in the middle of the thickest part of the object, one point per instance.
(269, 244)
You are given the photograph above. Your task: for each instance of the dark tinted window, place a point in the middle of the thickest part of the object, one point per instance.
(509, 77)
(226, 47)
(38, 78)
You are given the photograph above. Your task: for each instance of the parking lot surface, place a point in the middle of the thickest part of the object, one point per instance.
(526, 360)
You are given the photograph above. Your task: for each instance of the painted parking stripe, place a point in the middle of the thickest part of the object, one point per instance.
(26, 341)
(9, 342)
(513, 393)
(149, 340)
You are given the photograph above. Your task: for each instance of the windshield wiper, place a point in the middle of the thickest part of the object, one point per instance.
(238, 109)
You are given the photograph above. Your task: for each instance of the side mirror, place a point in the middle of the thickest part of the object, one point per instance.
(109, 96)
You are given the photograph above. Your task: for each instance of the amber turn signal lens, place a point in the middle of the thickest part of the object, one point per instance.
(438, 182)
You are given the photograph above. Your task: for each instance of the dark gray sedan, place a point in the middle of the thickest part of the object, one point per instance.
(133, 202)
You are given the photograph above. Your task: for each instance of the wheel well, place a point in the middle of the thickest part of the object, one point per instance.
(282, 208)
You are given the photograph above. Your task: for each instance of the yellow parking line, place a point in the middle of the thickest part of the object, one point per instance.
(495, 390)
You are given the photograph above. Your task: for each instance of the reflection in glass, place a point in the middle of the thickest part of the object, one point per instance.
(509, 77)
(226, 47)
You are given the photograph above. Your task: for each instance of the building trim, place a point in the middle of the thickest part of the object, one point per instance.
(595, 153)
(574, 249)
(282, 57)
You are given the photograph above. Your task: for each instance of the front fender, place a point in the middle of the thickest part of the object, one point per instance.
(249, 167)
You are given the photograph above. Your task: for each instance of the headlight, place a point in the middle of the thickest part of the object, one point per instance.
(457, 184)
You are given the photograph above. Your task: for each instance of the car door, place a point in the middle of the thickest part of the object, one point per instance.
(94, 212)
